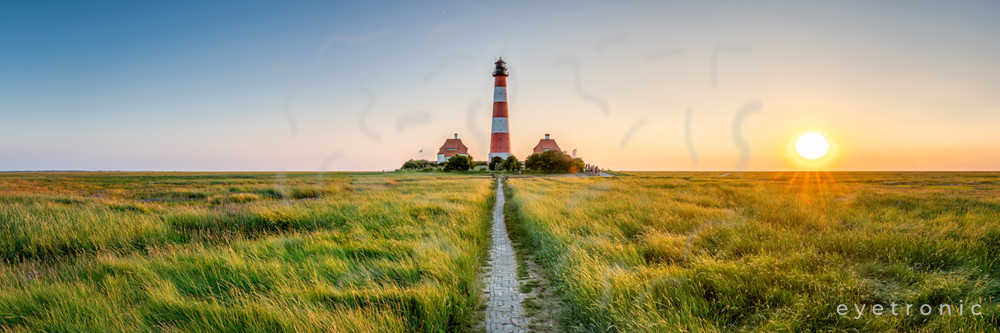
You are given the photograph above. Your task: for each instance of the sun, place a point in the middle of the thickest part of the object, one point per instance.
(813, 149)
(812, 145)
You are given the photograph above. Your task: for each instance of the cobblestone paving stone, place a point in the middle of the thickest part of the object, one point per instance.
(503, 313)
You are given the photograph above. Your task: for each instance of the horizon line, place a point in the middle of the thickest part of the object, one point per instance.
(383, 171)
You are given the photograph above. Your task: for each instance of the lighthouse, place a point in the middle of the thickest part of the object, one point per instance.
(500, 135)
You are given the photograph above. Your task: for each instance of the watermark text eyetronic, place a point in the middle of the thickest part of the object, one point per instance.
(906, 309)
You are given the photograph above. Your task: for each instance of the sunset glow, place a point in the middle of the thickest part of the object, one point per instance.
(812, 145)
(334, 86)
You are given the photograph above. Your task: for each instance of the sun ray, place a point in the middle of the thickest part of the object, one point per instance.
(791, 182)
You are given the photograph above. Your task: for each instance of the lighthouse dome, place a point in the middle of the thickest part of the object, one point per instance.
(501, 68)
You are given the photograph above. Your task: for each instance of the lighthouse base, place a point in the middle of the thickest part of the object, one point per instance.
(501, 155)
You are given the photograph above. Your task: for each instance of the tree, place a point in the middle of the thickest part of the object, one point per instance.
(458, 163)
(576, 165)
(511, 163)
(495, 163)
(533, 162)
(553, 161)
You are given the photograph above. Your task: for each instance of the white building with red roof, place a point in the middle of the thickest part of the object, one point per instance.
(545, 145)
(452, 147)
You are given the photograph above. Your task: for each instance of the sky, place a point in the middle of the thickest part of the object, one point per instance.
(330, 86)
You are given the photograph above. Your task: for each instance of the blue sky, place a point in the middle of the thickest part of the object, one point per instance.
(339, 86)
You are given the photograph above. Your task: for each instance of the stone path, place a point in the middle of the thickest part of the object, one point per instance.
(503, 313)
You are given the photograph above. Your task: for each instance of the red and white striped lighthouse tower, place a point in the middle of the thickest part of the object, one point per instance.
(500, 137)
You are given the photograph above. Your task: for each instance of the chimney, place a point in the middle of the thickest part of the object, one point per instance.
(546, 136)
(456, 135)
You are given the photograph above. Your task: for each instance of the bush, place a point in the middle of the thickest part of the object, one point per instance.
(495, 163)
(415, 164)
(511, 163)
(458, 163)
(553, 161)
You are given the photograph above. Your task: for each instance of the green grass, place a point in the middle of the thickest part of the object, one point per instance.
(529, 286)
(657, 252)
(255, 252)
(531, 308)
(400, 252)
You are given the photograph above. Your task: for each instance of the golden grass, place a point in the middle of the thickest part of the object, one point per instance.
(253, 252)
(660, 251)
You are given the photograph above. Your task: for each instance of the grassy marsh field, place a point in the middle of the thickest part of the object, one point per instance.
(241, 252)
(400, 252)
(661, 251)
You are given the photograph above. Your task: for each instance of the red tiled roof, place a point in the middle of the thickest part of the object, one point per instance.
(545, 144)
(452, 147)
